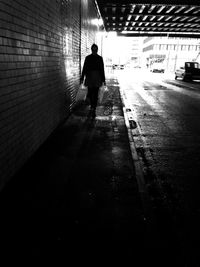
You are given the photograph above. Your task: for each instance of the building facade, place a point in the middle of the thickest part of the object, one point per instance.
(172, 51)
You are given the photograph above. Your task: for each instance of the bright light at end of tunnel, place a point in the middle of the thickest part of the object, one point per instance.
(116, 48)
(97, 22)
(112, 34)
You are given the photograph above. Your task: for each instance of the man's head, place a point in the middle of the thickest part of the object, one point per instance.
(94, 49)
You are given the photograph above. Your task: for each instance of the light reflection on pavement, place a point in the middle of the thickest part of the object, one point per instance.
(167, 140)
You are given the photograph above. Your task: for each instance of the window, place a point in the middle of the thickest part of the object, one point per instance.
(156, 47)
(196, 65)
(162, 47)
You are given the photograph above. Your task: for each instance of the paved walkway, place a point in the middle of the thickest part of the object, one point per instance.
(78, 195)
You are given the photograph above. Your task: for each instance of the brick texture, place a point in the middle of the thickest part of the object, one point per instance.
(42, 48)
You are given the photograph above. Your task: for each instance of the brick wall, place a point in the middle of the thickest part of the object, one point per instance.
(42, 48)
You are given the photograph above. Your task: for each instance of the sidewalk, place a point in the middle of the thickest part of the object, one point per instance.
(78, 194)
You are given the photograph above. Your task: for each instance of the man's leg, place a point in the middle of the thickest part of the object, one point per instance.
(94, 100)
(90, 96)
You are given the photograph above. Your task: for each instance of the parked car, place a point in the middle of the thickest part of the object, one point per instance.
(157, 67)
(118, 66)
(190, 71)
(180, 73)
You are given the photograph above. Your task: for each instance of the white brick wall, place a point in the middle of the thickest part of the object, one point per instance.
(41, 44)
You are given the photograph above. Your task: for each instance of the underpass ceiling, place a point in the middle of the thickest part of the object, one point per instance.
(179, 18)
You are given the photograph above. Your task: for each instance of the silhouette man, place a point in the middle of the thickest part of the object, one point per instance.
(94, 74)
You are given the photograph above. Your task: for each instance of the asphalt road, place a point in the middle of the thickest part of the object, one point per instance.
(167, 141)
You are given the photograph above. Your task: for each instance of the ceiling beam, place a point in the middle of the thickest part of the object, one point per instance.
(154, 34)
(149, 2)
(136, 23)
(162, 15)
(155, 28)
(109, 16)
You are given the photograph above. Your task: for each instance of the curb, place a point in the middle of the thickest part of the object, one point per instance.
(129, 119)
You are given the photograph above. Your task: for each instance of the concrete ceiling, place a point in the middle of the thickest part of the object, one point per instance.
(179, 18)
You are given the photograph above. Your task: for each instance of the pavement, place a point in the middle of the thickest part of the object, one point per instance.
(77, 197)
